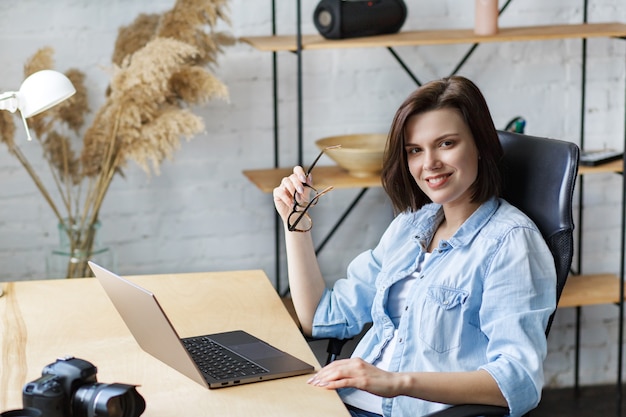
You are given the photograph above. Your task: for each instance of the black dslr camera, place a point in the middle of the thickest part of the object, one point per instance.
(69, 388)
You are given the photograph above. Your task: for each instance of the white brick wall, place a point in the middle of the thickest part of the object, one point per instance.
(202, 214)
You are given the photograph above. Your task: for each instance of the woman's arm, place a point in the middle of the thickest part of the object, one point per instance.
(305, 279)
(472, 387)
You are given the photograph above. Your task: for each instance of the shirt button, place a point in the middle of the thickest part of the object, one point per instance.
(400, 341)
(446, 302)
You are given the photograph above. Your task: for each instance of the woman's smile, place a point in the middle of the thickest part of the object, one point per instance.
(437, 181)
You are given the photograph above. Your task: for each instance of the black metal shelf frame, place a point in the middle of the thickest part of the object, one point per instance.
(457, 68)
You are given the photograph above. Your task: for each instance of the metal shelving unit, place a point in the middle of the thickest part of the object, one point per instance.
(581, 289)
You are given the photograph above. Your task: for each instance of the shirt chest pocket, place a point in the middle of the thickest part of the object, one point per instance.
(441, 319)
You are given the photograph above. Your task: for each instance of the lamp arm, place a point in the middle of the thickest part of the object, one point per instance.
(28, 136)
(8, 101)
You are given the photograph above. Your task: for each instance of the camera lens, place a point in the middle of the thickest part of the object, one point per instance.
(25, 412)
(109, 400)
(115, 408)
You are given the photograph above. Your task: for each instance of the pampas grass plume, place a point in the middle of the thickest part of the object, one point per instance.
(160, 68)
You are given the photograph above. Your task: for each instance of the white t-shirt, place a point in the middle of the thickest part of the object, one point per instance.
(395, 306)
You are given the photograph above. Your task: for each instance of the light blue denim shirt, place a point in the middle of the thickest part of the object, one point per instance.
(482, 301)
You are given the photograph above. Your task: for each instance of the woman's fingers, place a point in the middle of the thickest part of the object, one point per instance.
(301, 175)
(289, 188)
(340, 370)
(355, 373)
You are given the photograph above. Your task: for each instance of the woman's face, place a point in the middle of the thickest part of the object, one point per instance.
(442, 156)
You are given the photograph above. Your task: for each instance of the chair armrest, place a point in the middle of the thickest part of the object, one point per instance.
(472, 410)
(334, 349)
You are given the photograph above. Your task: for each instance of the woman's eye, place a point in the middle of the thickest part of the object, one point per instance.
(446, 143)
(412, 151)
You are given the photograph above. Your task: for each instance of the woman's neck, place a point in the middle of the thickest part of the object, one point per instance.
(456, 215)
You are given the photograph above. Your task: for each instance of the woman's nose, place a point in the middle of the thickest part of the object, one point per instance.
(431, 161)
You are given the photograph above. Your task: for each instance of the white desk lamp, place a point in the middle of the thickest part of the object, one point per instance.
(38, 93)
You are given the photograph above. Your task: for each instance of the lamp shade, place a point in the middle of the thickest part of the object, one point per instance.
(42, 90)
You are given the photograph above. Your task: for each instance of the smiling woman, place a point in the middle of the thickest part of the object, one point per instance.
(432, 287)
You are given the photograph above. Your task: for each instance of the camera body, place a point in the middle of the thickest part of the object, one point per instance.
(69, 388)
(339, 19)
(52, 392)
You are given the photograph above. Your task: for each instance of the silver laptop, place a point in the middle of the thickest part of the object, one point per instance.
(215, 361)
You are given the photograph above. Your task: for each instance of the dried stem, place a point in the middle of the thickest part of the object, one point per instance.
(15, 151)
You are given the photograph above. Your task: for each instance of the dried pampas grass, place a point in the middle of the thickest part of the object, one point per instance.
(7, 130)
(41, 60)
(160, 67)
(163, 137)
(135, 36)
(196, 85)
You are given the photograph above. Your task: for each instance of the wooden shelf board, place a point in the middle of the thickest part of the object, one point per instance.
(441, 37)
(323, 176)
(610, 167)
(585, 290)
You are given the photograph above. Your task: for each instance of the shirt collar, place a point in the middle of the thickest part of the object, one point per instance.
(468, 229)
(474, 224)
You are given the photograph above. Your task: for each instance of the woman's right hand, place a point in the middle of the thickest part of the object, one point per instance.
(285, 192)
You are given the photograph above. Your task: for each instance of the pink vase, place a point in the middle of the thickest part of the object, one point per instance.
(486, 17)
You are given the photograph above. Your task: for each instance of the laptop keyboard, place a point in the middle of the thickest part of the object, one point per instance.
(220, 363)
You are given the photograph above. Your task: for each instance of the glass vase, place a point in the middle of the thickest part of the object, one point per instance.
(77, 246)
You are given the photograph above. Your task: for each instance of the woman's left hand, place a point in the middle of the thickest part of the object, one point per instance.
(357, 373)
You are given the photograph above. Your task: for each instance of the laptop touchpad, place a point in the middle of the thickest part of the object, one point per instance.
(257, 350)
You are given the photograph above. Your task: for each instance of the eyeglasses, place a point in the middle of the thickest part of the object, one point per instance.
(299, 220)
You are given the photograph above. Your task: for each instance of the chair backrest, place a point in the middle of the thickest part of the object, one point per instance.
(539, 175)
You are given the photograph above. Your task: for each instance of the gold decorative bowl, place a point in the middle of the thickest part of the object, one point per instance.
(360, 154)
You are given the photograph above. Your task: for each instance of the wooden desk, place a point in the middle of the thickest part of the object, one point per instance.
(43, 320)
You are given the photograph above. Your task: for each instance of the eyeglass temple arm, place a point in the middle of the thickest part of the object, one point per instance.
(319, 156)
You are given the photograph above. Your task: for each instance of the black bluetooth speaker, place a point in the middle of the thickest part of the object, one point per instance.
(337, 19)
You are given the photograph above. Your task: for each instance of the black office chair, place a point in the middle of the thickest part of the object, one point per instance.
(539, 175)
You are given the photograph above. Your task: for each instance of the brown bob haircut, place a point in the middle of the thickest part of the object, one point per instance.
(457, 93)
